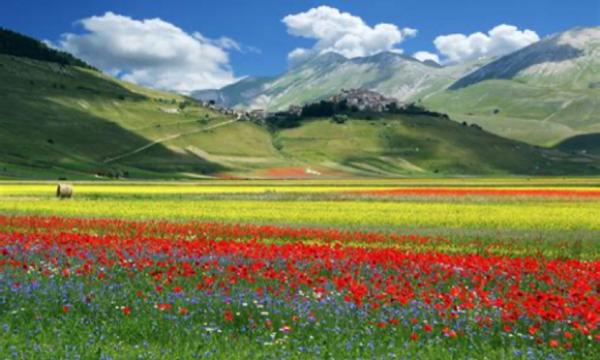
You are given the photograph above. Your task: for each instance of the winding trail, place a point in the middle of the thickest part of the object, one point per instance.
(167, 138)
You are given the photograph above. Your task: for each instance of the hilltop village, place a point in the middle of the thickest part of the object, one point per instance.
(348, 100)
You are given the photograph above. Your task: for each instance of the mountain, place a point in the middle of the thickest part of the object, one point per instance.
(65, 120)
(570, 59)
(543, 94)
(240, 92)
(395, 75)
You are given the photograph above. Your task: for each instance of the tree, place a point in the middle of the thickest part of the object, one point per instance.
(13, 43)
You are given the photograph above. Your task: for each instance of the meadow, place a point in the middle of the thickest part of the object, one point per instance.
(416, 268)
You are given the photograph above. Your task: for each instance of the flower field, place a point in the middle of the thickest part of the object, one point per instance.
(346, 278)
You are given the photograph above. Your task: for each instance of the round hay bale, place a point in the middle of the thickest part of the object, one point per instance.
(64, 191)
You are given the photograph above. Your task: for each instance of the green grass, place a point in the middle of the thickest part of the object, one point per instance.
(418, 145)
(541, 115)
(34, 324)
(40, 330)
(76, 123)
(589, 143)
(65, 121)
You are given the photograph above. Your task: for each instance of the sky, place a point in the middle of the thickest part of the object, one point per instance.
(183, 45)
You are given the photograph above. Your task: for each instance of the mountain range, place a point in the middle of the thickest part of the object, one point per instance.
(542, 94)
(392, 74)
(61, 118)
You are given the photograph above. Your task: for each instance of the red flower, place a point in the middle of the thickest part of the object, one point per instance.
(228, 315)
(66, 308)
(126, 310)
(553, 343)
(448, 332)
(532, 330)
(183, 310)
(163, 307)
(414, 336)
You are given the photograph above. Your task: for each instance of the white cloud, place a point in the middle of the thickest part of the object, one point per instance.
(227, 43)
(343, 33)
(499, 41)
(425, 55)
(153, 52)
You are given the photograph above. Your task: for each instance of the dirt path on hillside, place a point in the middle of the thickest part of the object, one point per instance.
(166, 138)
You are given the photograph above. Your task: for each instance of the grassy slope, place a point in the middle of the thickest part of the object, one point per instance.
(66, 121)
(418, 145)
(588, 143)
(537, 115)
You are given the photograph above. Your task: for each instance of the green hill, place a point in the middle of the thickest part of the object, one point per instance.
(419, 145)
(542, 94)
(67, 121)
(63, 121)
(583, 144)
(13, 43)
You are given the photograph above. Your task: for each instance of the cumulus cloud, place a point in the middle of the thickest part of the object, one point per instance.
(153, 52)
(426, 55)
(343, 33)
(499, 41)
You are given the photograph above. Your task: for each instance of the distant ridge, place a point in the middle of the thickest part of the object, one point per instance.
(542, 94)
(395, 75)
(569, 58)
(15, 44)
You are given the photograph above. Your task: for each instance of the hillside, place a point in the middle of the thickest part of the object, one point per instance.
(582, 144)
(65, 121)
(13, 43)
(395, 75)
(541, 94)
(419, 145)
(68, 121)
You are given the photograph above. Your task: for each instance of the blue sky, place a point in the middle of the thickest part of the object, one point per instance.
(263, 41)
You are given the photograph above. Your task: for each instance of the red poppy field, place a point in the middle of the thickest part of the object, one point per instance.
(88, 287)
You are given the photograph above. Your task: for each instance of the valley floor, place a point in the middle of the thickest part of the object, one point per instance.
(413, 268)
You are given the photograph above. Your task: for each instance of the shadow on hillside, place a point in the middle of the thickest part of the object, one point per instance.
(586, 143)
(447, 147)
(508, 66)
(38, 130)
(43, 134)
